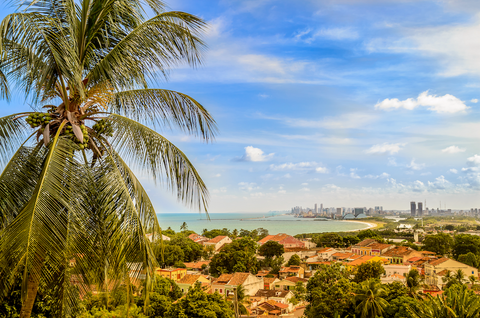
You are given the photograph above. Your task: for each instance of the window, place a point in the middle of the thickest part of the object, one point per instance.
(221, 291)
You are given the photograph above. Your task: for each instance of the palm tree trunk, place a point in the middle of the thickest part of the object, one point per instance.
(32, 288)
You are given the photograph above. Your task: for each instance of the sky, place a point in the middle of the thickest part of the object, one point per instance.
(345, 103)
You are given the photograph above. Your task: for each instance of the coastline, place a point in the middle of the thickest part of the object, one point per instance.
(369, 225)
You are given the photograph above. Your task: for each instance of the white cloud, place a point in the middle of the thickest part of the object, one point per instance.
(418, 186)
(416, 166)
(392, 162)
(321, 170)
(338, 34)
(299, 166)
(305, 184)
(305, 189)
(282, 191)
(255, 155)
(380, 176)
(474, 100)
(440, 183)
(220, 190)
(353, 174)
(248, 186)
(287, 176)
(453, 149)
(218, 175)
(473, 161)
(453, 170)
(440, 104)
(385, 148)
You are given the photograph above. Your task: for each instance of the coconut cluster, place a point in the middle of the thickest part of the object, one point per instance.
(103, 127)
(69, 132)
(38, 119)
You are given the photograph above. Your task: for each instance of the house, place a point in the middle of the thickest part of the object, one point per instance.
(269, 282)
(187, 281)
(326, 253)
(393, 278)
(371, 247)
(226, 283)
(400, 254)
(174, 274)
(392, 269)
(198, 238)
(279, 296)
(287, 241)
(218, 242)
(270, 308)
(297, 271)
(365, 259)
(196, 266)
(344, 256)
(435, 269)
(289, 283)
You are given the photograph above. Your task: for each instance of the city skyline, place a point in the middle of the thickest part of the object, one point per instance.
(363, 103)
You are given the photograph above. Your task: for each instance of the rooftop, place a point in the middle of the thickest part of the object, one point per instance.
(217, 239)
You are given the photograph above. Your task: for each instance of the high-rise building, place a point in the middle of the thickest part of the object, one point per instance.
(321, 208)
(316, 209)
(339, 211)
(420, 209)
(358, 211)
(413, 208)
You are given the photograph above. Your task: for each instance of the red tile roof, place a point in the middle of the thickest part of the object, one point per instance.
(438, 261)
(217, 239)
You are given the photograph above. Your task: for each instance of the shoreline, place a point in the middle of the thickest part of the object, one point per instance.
(369, 225)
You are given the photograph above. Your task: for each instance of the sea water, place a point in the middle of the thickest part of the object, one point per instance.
(275, 224)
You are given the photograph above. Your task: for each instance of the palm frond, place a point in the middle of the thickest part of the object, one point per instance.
(18, 180)
(149, 50)
(12, 135)
(39, 234)
(4, 89)
(152, 152)
(165, 107)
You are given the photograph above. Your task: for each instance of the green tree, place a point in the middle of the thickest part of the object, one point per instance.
(368, 270)
(238, 256)
(330, 292)
(271, 249)
(66, 191)
(457, 301)
(350, 240)
(329, 240)
(299, 292)
(400, 307)
(413, 282)
(184, 227)
(198, 304)
(449, 227)
(370, 299)
(466, 243)
(192, 251)
(294, 260)
(469, 259)
(440, 243)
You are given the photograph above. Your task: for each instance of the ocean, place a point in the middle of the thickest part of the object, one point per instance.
(249, 221)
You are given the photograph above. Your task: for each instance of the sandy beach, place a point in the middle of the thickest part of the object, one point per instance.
(370, 225)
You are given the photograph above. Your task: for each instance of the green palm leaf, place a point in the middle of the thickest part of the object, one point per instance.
(165, 107)
(162, 160)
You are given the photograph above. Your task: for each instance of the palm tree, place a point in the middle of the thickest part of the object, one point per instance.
(413, 282)
(67, 191)
(472, 279)
(369, 298)
(456, 301)
(184, 227)
(459, 276)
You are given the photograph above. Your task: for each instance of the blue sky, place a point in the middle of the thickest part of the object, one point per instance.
(342, 102)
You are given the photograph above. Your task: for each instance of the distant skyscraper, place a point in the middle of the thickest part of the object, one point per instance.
(413, 208)
(321, 208)
(420, 209)
(316, 209)
(359, 211)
